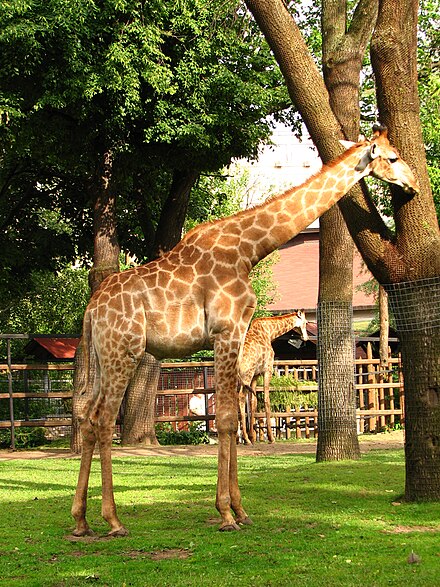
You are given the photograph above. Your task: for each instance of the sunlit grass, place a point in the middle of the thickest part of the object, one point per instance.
(326, 524)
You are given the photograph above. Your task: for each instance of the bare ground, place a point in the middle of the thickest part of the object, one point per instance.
(387, 440)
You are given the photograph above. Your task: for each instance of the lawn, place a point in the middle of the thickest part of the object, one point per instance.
(317, 525)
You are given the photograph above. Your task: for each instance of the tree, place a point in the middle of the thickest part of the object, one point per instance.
(343, 48)
(411, 255)
(133, 101)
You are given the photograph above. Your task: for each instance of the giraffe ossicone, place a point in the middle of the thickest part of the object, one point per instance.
(198, 296)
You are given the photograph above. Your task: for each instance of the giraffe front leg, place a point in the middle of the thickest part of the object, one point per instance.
(270, 436)
(228, 493)
(252, 411)
(242, 410)
(241, 516)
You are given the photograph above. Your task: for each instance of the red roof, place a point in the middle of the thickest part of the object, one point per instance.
(297, 274)
(60, 348)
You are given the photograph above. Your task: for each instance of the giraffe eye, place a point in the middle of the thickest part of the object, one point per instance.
(393, 159)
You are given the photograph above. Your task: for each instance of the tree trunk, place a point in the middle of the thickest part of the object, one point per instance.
(138, 421)
(106, 246)
(343, 49)
(394, 60)
(337, 406)
(384, 327)
(172, 218)
(139, 405)
(105, 262)
(415, 300)
(415, 306)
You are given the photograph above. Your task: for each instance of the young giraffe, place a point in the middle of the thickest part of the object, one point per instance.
(198, 296)
(257, 358)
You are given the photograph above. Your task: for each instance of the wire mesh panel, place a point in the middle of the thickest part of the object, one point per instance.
(415, 304)
(336, 384)
(415, 307)
(335, 344)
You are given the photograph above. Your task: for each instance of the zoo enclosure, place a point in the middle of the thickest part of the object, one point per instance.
(29, 390)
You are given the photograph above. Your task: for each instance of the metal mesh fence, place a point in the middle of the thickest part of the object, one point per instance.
(336, 353)
(415, 304)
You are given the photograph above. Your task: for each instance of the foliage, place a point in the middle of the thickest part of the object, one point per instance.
(166, 434)
(24, 437)
(330, 524)
(51, 303)
(161, 86)
(285, 393)
(55, 303)
(429, 90)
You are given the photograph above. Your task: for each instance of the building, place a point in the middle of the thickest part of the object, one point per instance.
(297, 276)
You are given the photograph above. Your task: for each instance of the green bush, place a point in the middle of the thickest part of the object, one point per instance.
(24, 437)
(166, 434)
(285, 393)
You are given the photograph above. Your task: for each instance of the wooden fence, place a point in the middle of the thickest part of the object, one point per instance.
(186, 393)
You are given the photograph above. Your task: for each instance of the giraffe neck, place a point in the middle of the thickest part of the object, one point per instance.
(274, 222)
(278, 325)
(252, 234)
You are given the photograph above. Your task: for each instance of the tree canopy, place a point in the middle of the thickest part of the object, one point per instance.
(164, 87)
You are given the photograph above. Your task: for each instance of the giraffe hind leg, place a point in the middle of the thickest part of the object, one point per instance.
(98, 426)
(79, 505)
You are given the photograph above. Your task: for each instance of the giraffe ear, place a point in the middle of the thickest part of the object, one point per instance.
(346, 144)
(367, 157)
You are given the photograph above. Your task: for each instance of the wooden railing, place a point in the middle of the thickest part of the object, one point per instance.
(379, 395)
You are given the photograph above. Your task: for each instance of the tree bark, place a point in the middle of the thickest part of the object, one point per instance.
(415, 301)
(139, 413)
(106, 246)
(172, 218)
(343, 50)
(140, 403)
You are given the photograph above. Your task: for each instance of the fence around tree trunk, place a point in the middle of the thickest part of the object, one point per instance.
(41, 395)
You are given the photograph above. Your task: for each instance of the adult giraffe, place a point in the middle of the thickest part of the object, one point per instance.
(257, 358)
(198, 296)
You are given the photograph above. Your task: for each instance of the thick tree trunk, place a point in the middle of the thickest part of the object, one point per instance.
(384, 328)
(414, 296)
(172, 218)
(343, 50)
(414, 252)
(337, 438)
(105, 262)
(140, 402)
(394, 60)
(138, 421)
(106, 246)
(415, 306)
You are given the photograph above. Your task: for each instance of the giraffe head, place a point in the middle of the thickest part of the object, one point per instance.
(379, 158)
(300, 324)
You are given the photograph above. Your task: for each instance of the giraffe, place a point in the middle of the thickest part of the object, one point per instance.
(257, 358)
(198, 296)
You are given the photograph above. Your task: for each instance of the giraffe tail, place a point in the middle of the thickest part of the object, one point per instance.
(85, 345)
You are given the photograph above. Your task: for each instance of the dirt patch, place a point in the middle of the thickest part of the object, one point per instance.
(171, 553)
(410, 529)
(391, 440)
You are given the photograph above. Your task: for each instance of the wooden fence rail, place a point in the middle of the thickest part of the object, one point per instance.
(380, 396)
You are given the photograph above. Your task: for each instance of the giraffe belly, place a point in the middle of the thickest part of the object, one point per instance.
(180, 333)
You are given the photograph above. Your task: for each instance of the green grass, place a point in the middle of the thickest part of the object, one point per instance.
(317, 525)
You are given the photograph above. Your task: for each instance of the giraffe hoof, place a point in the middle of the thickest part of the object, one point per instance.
(119, 532)
(229, 527)
(245, 521)
(78, 533)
